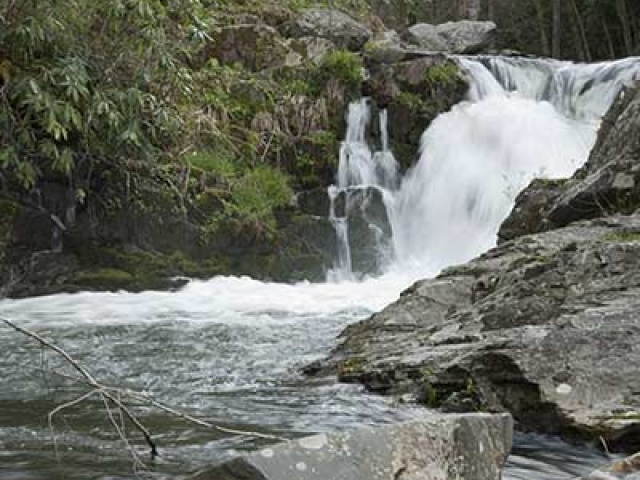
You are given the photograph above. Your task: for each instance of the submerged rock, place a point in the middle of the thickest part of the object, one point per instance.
(438, 447)
(627, 469)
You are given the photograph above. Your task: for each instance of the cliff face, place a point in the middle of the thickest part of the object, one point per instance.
(545, 325)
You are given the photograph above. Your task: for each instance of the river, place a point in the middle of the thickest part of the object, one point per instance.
(228, 350)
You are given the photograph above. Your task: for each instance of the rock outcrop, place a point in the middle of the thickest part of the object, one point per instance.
(414, 92)
(343, 30)
(544, 326)
(449, 447)
(464, 36)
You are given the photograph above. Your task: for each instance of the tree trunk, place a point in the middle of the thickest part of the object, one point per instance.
(607, 34)
(581, 29)
(542, 26)
(623, 14)
(473, 9)
(557, 28)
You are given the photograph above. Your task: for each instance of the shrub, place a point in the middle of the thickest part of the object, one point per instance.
(345, 66)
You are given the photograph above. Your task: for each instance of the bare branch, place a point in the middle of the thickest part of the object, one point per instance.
(115, 395)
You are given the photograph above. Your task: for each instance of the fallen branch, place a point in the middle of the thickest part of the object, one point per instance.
(114, 395)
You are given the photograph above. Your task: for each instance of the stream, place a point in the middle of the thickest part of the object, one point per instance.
(228, 350)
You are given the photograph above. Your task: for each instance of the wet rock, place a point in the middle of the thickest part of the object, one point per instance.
(368, 226)
(544, 326)
(314, 202)
(464, 36)
(414, 92)
(344, 31)
(627, 469)
(437, 447)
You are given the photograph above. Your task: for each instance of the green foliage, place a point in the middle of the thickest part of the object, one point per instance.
(623, 237)
(92, 82)
(257, 193)
(345, 66)
(444, 74)
(220, 163)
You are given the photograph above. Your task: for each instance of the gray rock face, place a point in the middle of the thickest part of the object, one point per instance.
(545, 327)
(627, 469)
(340, 28)
(439, 447)
(464, 36)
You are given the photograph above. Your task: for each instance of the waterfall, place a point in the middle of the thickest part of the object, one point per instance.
(362, 174)
(523, 118)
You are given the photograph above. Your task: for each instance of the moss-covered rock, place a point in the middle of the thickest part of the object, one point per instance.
(415, 92)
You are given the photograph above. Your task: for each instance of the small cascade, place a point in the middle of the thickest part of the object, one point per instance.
(359, 200)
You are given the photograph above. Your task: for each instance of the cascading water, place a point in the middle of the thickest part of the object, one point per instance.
(524, 118)
(360, 170)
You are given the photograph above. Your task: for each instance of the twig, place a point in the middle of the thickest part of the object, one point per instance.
(88, 378)
(114, 395)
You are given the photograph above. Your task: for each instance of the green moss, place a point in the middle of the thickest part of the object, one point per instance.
(8, 210)
(411, 100)
(552, 182)
(444, 74)
(258, 193)
(350, 366)
(107, 278)
(345, 66)
(218, 162)
(622, 237)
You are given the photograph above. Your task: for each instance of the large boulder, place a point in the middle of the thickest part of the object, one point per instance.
(464, 36)
(449, 447)
(344, 31)
(545, 327)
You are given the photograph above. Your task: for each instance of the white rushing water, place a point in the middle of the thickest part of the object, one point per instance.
(524, 118)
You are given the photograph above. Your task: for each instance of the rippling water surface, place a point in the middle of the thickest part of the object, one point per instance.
(228, 350)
